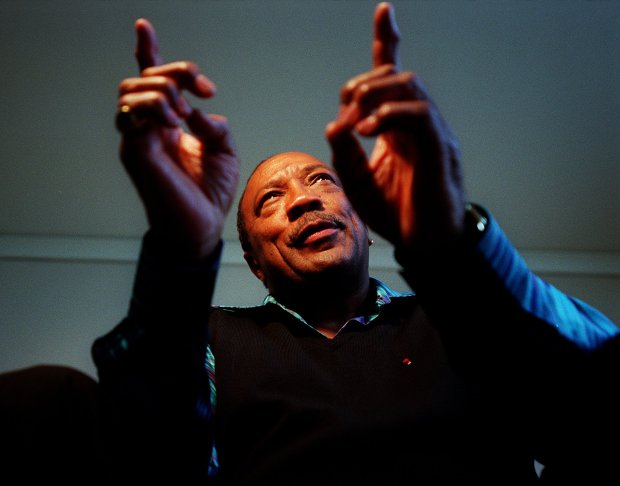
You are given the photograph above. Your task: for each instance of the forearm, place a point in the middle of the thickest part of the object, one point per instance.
(169, 306)
(576, 320)
(483, 281)
(151, 371)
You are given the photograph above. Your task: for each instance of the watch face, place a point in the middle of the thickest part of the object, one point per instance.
(475, 222)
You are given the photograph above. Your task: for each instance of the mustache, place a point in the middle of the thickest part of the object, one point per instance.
(309, 218)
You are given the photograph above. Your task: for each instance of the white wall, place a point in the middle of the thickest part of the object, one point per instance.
(529, 87)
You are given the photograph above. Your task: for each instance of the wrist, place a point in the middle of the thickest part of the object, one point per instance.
(475, 223)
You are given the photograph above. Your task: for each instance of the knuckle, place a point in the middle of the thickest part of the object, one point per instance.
(167, 85)
(408, 77)
(385, 110)
(157, 98)
(345, 92)
(129, 85)
(123, 100)
(123, 86)
(149, 71)
(189, 67)
(391, 68)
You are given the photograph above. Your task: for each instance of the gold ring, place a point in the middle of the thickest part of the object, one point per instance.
(127, 120)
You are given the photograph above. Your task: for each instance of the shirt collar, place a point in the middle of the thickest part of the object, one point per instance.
(383, 293)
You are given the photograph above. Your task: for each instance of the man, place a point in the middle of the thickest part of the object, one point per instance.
(336, 379)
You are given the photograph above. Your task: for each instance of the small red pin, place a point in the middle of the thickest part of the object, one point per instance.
(407, 361)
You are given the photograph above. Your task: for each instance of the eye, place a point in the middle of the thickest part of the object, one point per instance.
(268, 196)
(322, 176)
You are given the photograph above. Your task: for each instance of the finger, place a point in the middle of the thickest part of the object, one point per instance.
(163, 84)
(370, 95)
(416, 115)
(347, 91)
(395, 114)
(150, 105)
(147, 47)
(213, 130)
(399, 87)
(187, 75)
(423, 127)
(350, 162)
(348, 155)
(386, 36)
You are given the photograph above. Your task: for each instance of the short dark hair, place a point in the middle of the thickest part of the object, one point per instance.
(242, 231)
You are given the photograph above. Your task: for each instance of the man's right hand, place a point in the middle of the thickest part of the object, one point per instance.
(186, 179)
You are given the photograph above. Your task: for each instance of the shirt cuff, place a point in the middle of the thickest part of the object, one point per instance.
(168, 284)
(170, 304)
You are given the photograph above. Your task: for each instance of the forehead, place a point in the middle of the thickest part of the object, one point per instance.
(277, 170)
(284, 166)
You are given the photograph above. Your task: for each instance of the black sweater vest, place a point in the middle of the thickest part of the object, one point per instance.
(378, 404)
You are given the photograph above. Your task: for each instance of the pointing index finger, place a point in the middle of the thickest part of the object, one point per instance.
(147, 47)
(386, 36)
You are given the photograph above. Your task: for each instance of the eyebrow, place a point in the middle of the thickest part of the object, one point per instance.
(280, 180)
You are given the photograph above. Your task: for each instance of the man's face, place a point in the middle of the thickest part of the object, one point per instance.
(299, 221)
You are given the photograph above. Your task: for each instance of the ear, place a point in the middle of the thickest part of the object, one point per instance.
(254, 266)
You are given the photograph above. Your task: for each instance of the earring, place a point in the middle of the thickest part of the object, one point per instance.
(370, 241)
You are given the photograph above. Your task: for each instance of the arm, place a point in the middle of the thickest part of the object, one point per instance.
(151, 366)
(503, 326)
(151, 369)
(186, 180)
(414, 175)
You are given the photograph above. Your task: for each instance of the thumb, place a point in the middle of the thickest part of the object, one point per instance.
(348, 156)
(213, 130)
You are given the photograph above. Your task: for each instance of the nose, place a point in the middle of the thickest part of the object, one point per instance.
(301, 200)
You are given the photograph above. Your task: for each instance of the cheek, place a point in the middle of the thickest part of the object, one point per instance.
(269, 254)
(358, 225)
(263, 232)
